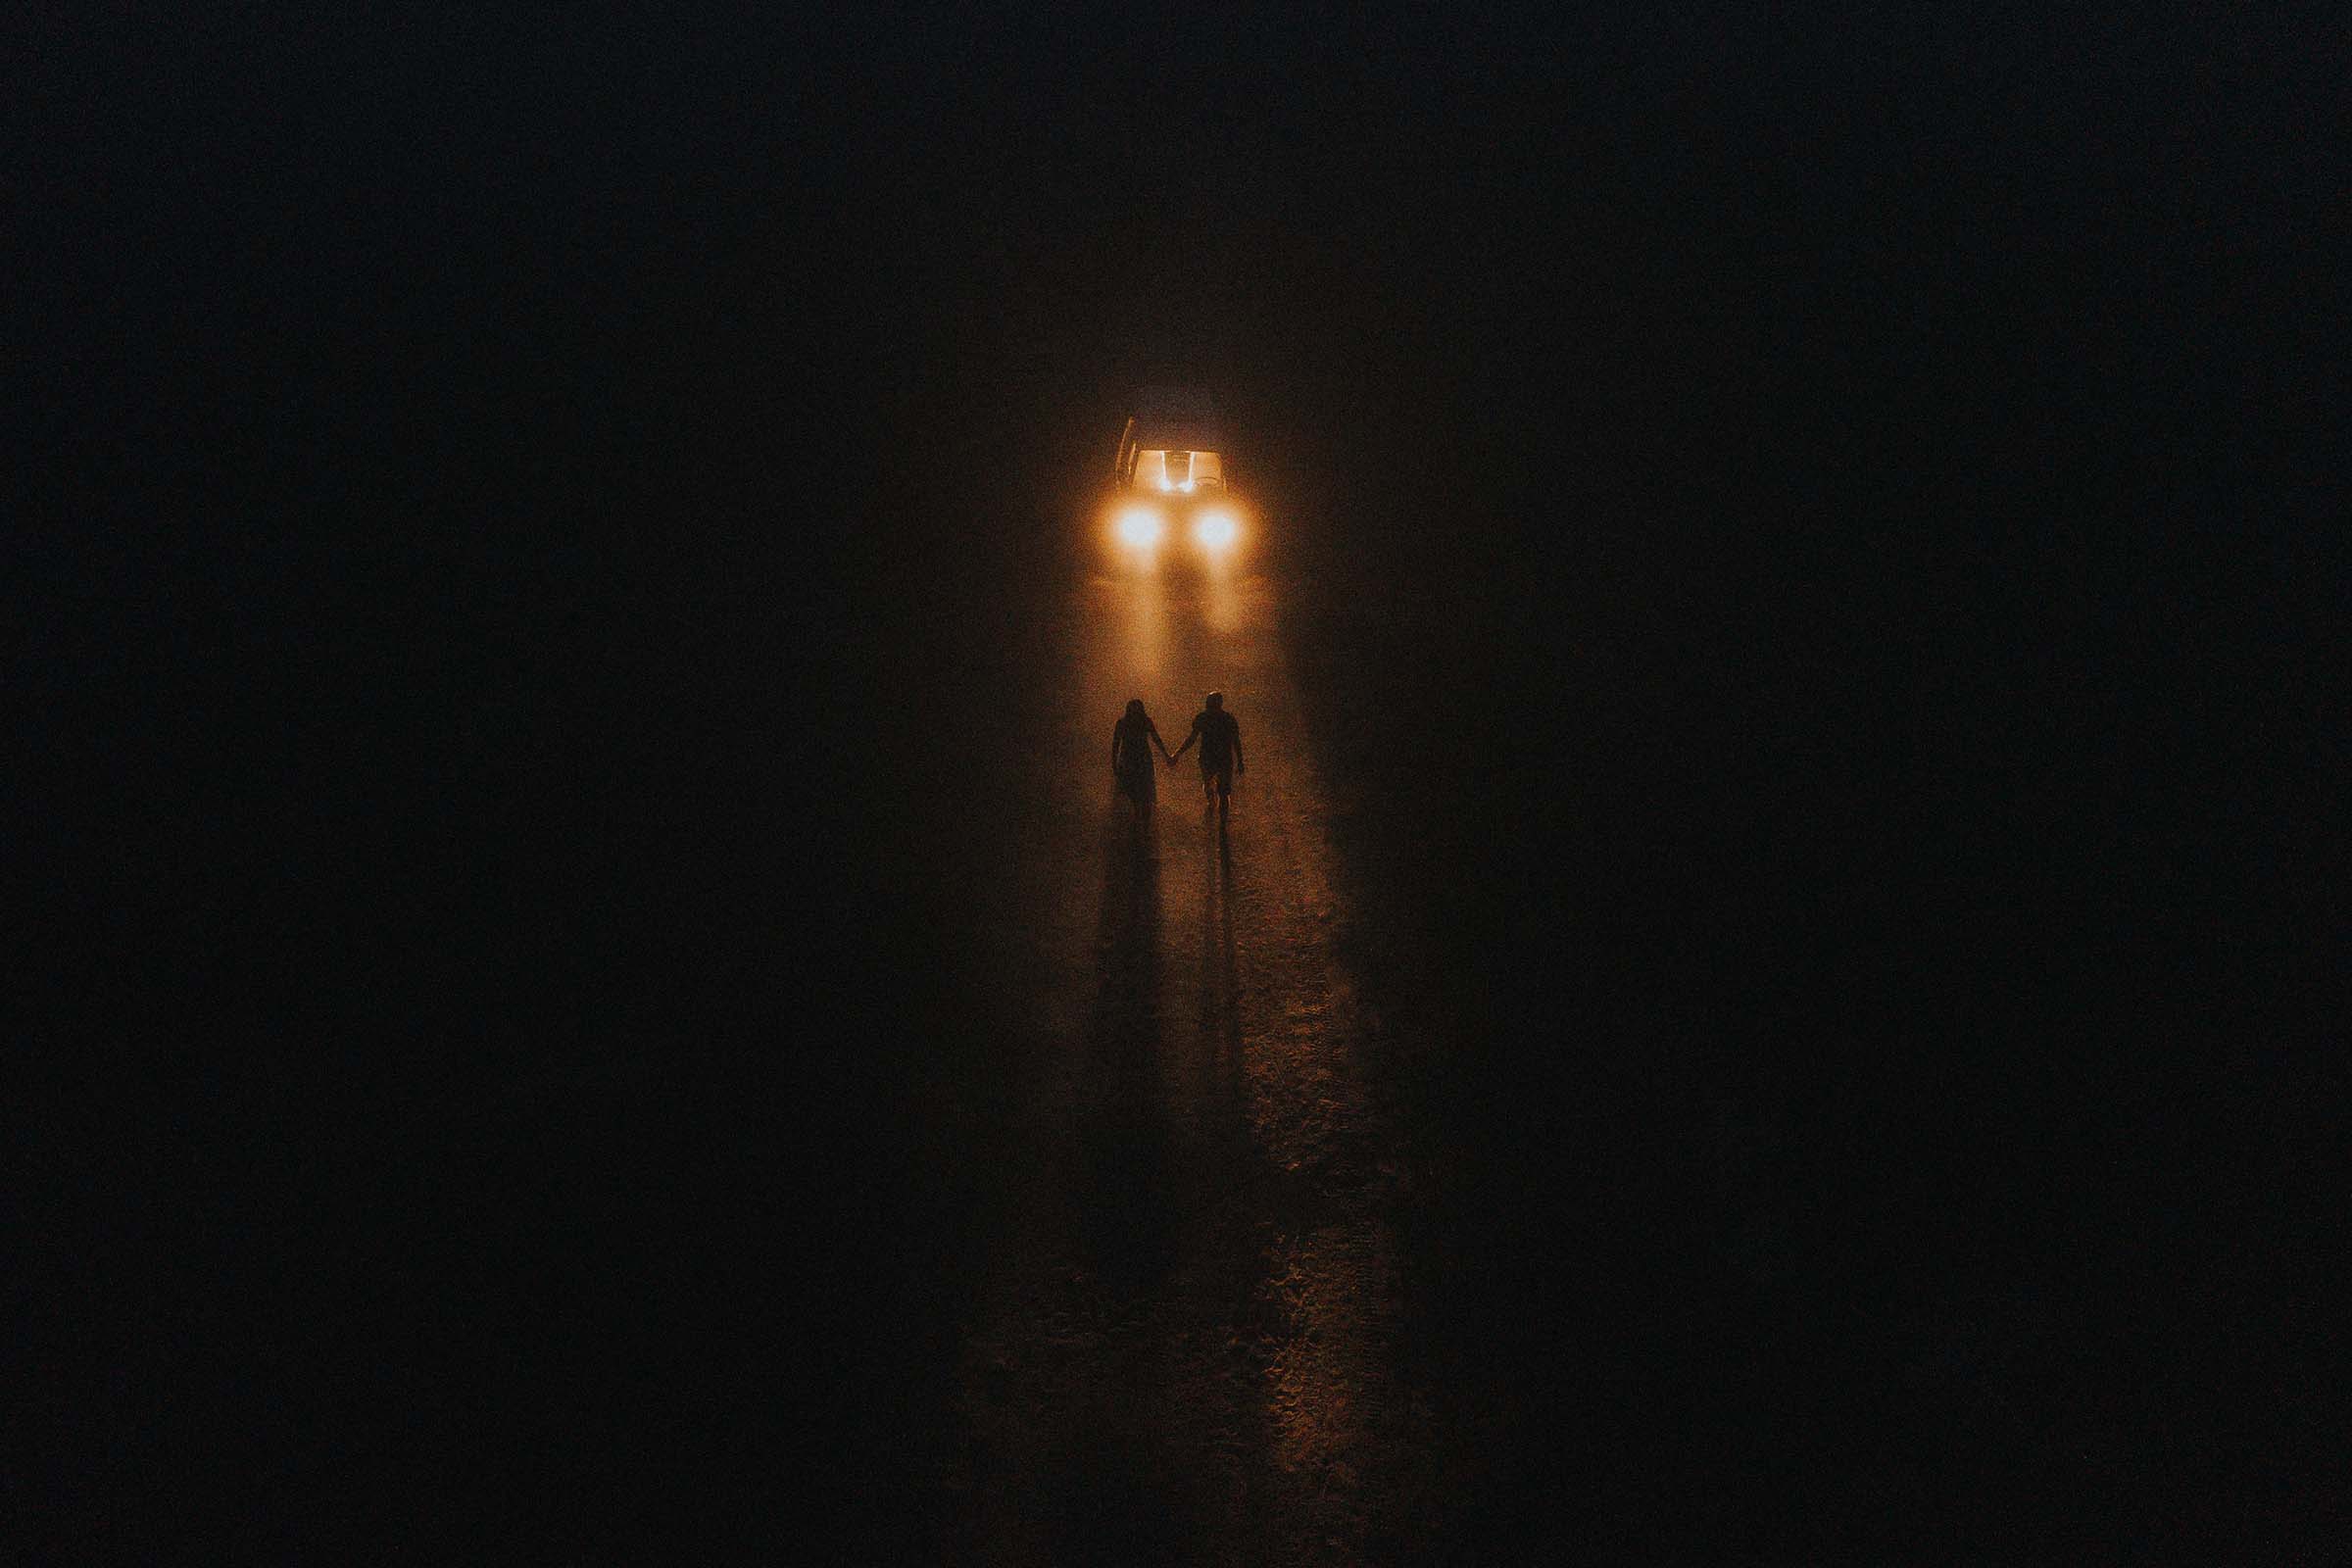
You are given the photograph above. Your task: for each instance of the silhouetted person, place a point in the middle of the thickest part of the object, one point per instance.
(1130, 761)
(1220, 739)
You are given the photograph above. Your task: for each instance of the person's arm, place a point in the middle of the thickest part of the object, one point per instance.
(1238, 767)
(1188, 744)
(1114, 748)
(1162, 744)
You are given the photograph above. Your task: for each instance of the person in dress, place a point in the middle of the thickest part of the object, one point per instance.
(1131, 741)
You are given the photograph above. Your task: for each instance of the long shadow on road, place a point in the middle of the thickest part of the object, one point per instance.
(1128, 1221)
(1109, 1492)
(1220, 967)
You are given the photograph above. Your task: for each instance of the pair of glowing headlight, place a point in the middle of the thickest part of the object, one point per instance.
(1140, 526)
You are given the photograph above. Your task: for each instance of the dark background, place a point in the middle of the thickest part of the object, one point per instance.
(1814, 540)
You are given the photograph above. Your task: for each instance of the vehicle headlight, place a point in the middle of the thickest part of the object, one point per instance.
(1140, 526)
(1214, 528)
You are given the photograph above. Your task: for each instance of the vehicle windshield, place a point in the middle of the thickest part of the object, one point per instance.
(1157, 469)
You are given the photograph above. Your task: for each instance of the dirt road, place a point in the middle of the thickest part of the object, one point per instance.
(1182, 1347)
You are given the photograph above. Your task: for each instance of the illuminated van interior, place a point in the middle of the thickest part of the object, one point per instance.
(1157, 469)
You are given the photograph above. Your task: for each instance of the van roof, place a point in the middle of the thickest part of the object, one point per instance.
(1179, 417)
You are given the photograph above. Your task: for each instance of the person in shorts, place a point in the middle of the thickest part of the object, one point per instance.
(1220, 738)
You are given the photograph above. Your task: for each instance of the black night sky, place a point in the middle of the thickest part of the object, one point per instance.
(1806, 557)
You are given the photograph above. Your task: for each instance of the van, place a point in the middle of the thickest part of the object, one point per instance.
(1168, 479)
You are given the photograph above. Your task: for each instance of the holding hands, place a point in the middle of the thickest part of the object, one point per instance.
(1214, 729)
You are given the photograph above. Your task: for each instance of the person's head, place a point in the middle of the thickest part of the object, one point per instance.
(1135, 707)
(1214, 700)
